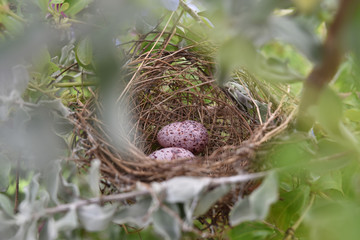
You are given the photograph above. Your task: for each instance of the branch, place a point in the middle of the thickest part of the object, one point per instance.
(123, 196)
(290, 232)
(326, 69)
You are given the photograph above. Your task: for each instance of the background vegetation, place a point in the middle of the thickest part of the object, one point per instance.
(54, 54)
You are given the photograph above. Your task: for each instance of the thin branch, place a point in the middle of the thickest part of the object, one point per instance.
(149, 191)
(291, 231)
(16, 205)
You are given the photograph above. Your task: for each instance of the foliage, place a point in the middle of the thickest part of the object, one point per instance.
(54, 54)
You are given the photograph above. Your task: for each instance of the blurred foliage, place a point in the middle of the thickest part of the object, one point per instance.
(55, 54)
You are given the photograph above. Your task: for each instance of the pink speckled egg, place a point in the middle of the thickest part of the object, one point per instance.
(171, 153)
(188, 134)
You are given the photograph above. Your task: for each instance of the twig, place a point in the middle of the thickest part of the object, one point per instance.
(291, 231)
(16, 205)
(122, 196)
(76, 84)
(98, 200)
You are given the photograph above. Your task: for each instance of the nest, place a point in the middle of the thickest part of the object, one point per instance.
(169, 86)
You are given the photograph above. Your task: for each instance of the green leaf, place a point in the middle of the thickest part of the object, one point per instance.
(136, 214)
(6, 205)
(57, 1)
(166, 225)
(353, 114)
(5, 167)
(208, 199)
(76, 6)
(251, 230)
(68, 222)
(96, 218)
(329, 111)
(257, 205)
(84, 52)
(291, 203)
(331, 180)
(8, 226)
(64, 7)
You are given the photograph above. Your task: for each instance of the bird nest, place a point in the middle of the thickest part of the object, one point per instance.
(166, 86)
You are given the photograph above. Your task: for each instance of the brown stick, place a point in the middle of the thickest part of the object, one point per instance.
(16, 204)
(325, 70)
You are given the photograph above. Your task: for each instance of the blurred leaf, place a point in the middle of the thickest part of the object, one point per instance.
(49, 231)
(5, 167)
(166, 225)
(329, 111)
(257, 205)
(6, 205)
(93, 178)
(96, 218)
(171, 5)
(352, 34)
(84, 52)
(353, 114)
(137, 213)
(65, 56)
(76, 6)
(208, 199)
(251, 230)
(67, 223)
(291, 203)
(64, 7)
(333, 220)
(8, 227)
(182, 189)
(331, 180)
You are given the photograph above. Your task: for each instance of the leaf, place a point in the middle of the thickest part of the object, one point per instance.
(182, 189)
(331, 180)
(166, 225)
(8, 226)
(65, 54)
(68, 222)
(353, 114)
(251, 230)
(5, 167)
(137, 214)
(94, 177)
(208, 199)
(6, 205)
(21, 78)
(96, 218)
(257, 205)
(56, 1)
(49, 231)
(291, 203)
(76, 6)
(171, 5)
(52, 176)
(329, 111)
(84, 52)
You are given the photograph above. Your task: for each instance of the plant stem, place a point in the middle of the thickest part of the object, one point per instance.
(76, 84)
(123, 196)
(16, 205)
(291, 231)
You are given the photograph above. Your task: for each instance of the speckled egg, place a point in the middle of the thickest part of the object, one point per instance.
(171, 153)
(188, 134)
